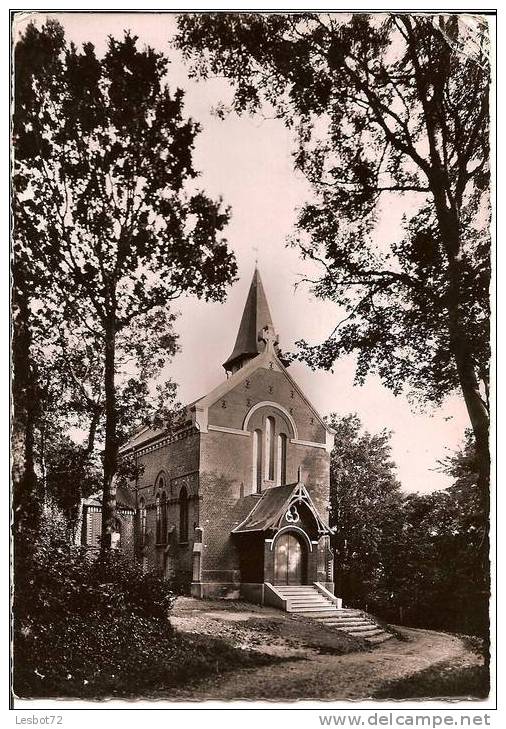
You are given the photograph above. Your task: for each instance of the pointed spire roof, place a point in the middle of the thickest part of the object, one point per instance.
(256, 317)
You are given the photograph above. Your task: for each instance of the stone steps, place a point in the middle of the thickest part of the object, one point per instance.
(381, 638)
(311, 601)
(314, 609)
(345, 621)
(327, 613)
(360, 629)
(308, 600)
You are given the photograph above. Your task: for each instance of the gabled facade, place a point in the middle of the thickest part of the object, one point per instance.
(238, 496)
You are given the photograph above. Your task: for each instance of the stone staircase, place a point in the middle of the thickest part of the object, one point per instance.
(308, 600)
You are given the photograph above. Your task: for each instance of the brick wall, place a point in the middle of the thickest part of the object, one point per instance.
(226, 465)
(225, 472)
(266, 385)
(176, 464)
(216, 469)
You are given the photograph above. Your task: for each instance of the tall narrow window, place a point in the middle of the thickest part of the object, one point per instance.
(281, 469)
(183, 515)
(116, 535)
(257, 461)
(163, 519)
(142, 522)
(94, 526)
(158, 519)
(269, 448)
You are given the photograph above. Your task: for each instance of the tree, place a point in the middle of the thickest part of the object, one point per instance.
(366, 511)
(106, 200)
(385, 106)
(26, 497)
(418, 558)
(442, 575)
(468, 527)
(69, 428)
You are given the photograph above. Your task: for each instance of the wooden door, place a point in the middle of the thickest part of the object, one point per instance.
(289, 560)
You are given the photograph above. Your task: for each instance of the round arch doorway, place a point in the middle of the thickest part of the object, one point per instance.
(290, 560)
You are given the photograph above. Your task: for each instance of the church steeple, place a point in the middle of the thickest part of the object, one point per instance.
(256, 321)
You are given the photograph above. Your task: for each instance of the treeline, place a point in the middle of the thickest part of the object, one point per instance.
(418, 559)
(109, 229)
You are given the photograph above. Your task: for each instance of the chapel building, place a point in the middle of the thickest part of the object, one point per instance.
(234, 500)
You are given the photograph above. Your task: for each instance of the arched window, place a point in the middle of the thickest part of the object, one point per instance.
(158, 519)
(257, 461)
(142, 522)
(163, 519)
(270, 428)
(116, 535)
(281, 470)
(183, 515)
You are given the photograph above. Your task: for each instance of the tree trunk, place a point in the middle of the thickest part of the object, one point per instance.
(111, 438)
(466, 371)
(26, 502)
(476, 408)
(92, 432)
(459, 345)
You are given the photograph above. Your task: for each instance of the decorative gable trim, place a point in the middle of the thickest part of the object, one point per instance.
(300, 495)
(274, 519)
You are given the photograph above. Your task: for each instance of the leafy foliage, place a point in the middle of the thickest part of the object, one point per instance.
(418, 559)
(88, 627)
(366, 511)
(109, 224)
(66, 603)
(102, 145)
(383, 106)
(70, 475)
(445, 545)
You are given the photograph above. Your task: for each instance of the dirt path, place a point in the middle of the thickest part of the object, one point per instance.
(352, 676)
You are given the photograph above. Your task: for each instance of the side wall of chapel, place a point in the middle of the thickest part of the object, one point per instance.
(167, 469)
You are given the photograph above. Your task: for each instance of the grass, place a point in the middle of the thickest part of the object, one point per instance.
(440, 681)
(166, 663)
(266, 626)
(97, 655)
(310, 634)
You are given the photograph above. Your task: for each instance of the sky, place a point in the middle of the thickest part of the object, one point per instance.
(247, 161)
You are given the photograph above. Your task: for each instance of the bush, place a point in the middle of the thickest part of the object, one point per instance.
(82, 617)
(55, 578)
(96, 627)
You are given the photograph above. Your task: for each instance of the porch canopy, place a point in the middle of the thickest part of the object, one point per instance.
(277, 507)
